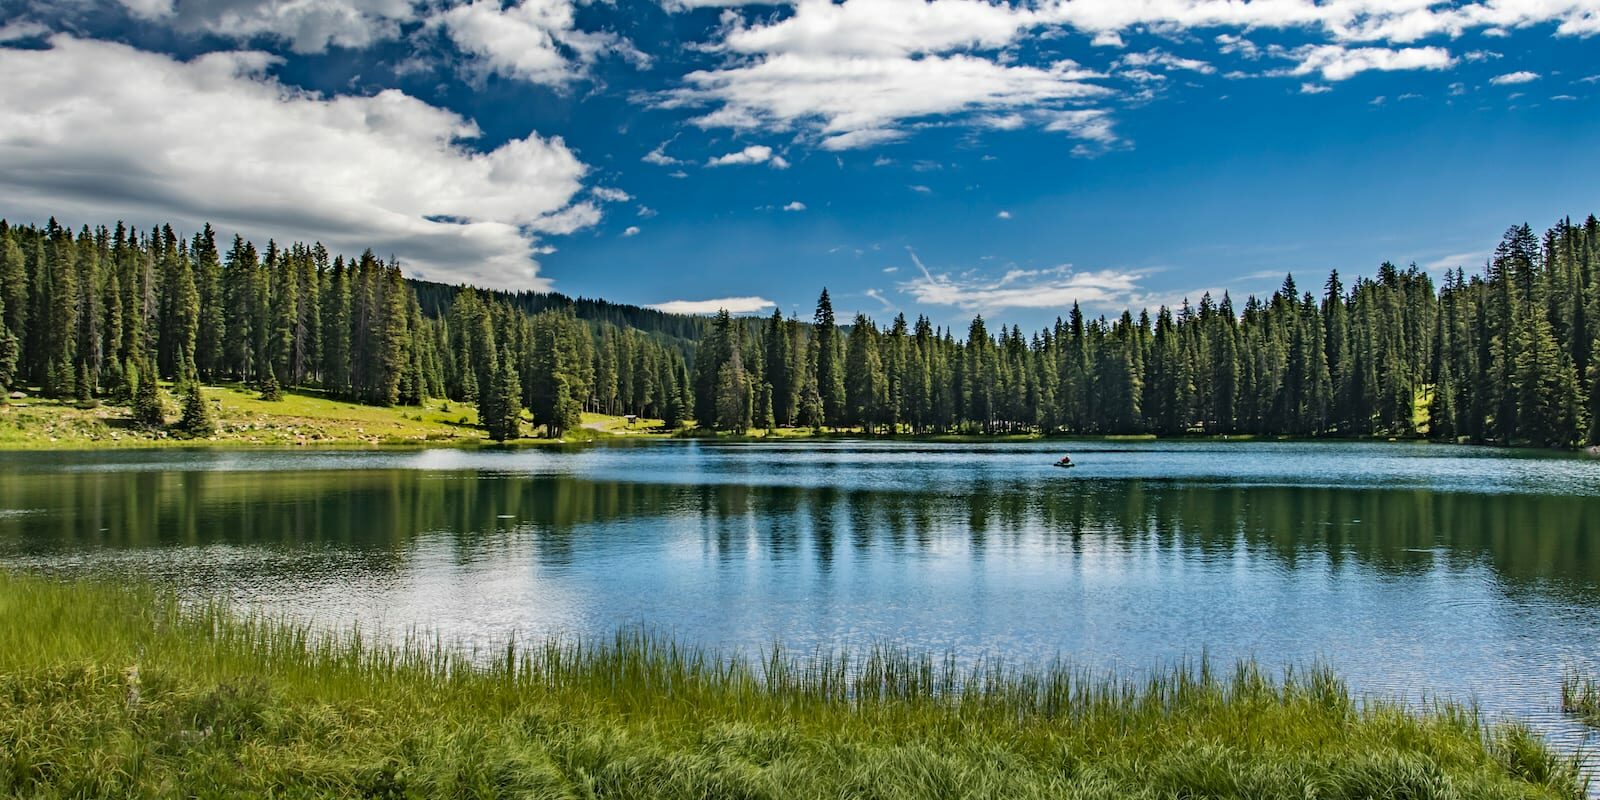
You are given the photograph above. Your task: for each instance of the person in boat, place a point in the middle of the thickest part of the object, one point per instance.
(1066, 461)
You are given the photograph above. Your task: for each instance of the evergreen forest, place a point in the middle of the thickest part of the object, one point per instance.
(1509, 354)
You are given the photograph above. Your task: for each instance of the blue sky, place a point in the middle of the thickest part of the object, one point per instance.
(946, 157)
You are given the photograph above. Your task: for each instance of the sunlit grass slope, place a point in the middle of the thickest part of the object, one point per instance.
(119, 692)
(242, 418)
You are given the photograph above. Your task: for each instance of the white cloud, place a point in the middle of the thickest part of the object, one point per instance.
(1230, 44)
(630, 231)
(850, 74)
(1513, 78)
(1336, 62)
(1476, 257)
(532, 40)
(1057, 287)
(646, 212)
(1003, 215)
(308, 26)
(754, 154)
(1092, 124)
(920, 189)
(1399, 21)
(795, 205)
(21, 29)
(95, 130)
(855, 74)
(659, 156)
(853, 101)
(1165, 60)
(610, 195)
(1106, 39)
(1315, 88)
(733, 305)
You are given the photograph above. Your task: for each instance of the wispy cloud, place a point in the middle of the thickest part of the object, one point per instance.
(630, 231)
(733, 305)
(1054, 287)
(659, 156)
(1514, 78)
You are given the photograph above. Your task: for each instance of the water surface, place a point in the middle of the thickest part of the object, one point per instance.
(1416, 571)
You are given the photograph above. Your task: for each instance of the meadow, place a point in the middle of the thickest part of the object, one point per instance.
(111, 690)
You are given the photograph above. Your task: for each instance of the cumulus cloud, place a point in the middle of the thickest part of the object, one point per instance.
(733, 305)
(1513, 78)
(630, 231)
(308, 26)
(795, 205)
(96, 130)
(1003, 215)
(851, 74)
(1056, 287)
(855, 74)
(610, 195)
(1315, 88)
(532, 40)
(1336, 62)
(754, 154)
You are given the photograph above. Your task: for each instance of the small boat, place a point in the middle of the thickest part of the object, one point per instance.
(1066, 461)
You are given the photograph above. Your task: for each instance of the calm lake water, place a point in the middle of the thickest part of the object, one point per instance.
(1414, 570)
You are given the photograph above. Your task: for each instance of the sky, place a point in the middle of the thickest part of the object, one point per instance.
(945, 158)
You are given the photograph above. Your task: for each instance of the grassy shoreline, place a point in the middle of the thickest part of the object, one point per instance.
(306, 419)
(122, 691)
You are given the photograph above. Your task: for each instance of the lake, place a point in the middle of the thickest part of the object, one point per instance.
(1414, 570)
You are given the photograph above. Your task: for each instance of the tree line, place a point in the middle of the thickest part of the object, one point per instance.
(1510, 355)
(107, 312)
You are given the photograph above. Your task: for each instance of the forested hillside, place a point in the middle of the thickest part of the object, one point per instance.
(1509, 355)
(96, 313)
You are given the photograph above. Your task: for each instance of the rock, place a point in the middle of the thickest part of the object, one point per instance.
(18, 395)
(1594, 451)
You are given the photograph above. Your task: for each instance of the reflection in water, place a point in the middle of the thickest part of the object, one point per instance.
(1472, 574)
(1548, 540)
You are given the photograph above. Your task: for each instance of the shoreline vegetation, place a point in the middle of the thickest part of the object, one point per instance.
(303, 418)
(121, 690)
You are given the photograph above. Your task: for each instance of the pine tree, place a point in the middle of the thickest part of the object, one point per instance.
(14, 295)
(503, 415)
(270, 389)
(829, 372)
(866, 387)
(149, 409)
(196, 420)
(1547, 390)
(8, 349)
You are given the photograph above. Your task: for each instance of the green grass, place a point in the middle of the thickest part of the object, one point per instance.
(1580, 696)
(243, 419)
(117, 691)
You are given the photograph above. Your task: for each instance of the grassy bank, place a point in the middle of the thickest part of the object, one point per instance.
(1580, 696)
(243, 419)
(119, 692)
